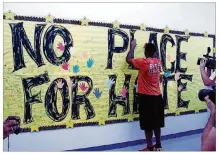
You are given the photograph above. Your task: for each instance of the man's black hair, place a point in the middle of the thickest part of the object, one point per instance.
(149, 50)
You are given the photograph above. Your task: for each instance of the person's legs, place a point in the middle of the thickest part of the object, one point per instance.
(147, 115)
(157, 133)
(157, 146)
(159, 122)
(149, 135)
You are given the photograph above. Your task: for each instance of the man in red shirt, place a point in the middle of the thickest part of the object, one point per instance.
(151, 108)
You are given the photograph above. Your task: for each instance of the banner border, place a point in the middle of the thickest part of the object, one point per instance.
(109, 25)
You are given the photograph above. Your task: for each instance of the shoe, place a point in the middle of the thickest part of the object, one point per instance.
(148, 149)
(158, 147)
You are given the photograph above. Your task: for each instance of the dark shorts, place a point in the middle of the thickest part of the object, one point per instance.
(151, 111)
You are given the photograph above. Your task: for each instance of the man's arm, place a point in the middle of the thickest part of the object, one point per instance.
(130, 55)
(206, 143)
(205, 78)
(208, 72)
(210, 142)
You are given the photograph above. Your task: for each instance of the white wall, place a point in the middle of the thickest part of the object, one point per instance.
(83, 137)
(197, 17)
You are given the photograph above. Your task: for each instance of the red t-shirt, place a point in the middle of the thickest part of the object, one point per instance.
(148, 75)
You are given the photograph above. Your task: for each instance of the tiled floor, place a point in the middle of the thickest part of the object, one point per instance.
(187, 143)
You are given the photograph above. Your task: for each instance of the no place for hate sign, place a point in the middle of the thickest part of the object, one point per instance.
(73, 73)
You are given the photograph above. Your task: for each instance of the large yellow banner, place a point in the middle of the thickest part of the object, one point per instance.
(73, 73)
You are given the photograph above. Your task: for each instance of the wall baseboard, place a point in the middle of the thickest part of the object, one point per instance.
(137, 142)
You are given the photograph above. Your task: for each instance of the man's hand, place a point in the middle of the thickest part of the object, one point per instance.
(14, 118)
(202, 63)
(10, 125)
(210, 105)
(130, 55)
(205, 77)
(133, 43)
